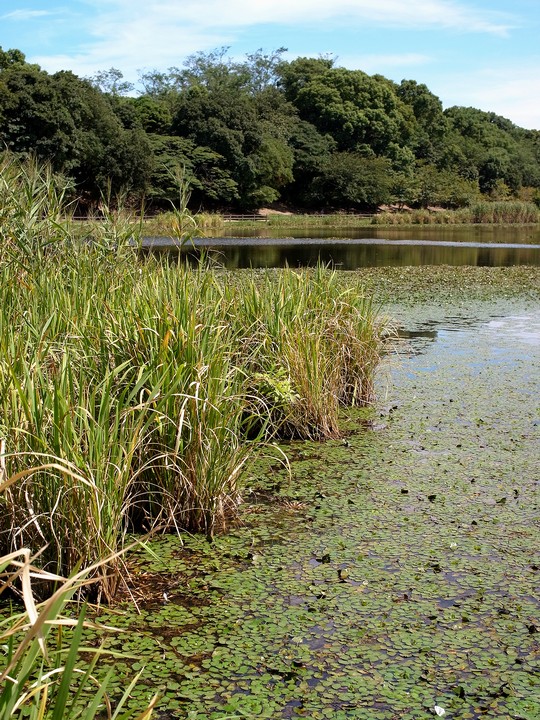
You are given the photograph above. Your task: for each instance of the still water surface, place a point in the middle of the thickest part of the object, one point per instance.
(388, 575)
(521, 234)
(399, 248)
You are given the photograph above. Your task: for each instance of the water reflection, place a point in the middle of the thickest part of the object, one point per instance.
(500, 333)
(526, 234)
(242, 253)
(524, 329)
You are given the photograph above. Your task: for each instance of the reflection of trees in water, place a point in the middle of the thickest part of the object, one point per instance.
(350, 256)
(449, 233)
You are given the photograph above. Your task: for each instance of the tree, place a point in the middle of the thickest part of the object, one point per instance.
(431, 127)
(111, 82)
(311, 151)
(204, 170)
(65, 120)
(263, 69)
(432, 186)
(11, 57)
(497, 149)
(356, 109)
(348, 180)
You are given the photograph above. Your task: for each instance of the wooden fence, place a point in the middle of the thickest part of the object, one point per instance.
(254, 216)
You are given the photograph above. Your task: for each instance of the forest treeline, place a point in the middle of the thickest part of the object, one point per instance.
(246, 134)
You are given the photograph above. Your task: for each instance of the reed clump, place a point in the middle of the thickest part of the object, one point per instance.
(34, 212)
(312, 347)
(508, 212)
(165, 224)
(486, 212)
(47, 672)
(133, 392)
(318, 220)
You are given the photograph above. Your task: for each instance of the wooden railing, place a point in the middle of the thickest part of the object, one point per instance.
(254, 216)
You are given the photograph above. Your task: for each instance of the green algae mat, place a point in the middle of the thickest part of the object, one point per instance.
(394, 574)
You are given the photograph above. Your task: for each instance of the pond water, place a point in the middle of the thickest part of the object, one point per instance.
(390, 574)
(521, 234)
(375, 248)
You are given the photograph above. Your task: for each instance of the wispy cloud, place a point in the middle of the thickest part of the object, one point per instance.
(216, 14)
(383, 63)
(22, 15)
(159, 33)
(510, 90)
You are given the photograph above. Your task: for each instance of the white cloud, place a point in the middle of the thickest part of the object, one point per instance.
(510, 90)
(216, 14)
(234, 13)
(159, 33)
(25, 14)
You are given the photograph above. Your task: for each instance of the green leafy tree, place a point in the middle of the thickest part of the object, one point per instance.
(431, 186)
(66, 121)
(497, 149)
(209, 180)
(351, 181)
(431, 127)
(356, 109)
(311, 151)
(11, 57)
(111, 82)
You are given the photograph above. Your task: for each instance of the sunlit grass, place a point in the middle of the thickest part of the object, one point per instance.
(483, 212)
(133, 392)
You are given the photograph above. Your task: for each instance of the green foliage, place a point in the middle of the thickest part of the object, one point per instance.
(33, 212)
(125, 383)
(485, 212)
(251, 132)
(430, 131)
(45, 676)
(353, 107)
(112, 82)
(349, 180)
(498, 149)
(209, 179)
(11, 57)
(69, 123)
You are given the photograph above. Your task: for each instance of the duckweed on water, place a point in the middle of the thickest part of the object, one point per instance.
(393, 572)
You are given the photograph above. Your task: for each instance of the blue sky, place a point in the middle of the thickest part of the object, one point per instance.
(479, 53)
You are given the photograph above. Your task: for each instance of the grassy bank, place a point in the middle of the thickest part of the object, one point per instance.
(485, 213)
(479, 213)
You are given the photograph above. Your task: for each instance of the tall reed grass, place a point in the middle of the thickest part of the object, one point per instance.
(166, 224)
(487, 212)
(312, 347)
(34, 214)
(508, 212)
(134, 391)
(45, 671)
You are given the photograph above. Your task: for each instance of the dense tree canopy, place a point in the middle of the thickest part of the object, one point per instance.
(247, 133)
(65, 120)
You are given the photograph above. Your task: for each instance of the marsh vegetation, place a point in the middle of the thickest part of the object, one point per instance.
(135, 391)
(145, 396)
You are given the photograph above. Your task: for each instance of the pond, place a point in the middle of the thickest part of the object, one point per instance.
(404, 248)
(394, 574)
(486, 233)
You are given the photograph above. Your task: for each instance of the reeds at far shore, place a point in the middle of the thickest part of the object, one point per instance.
(484, 212)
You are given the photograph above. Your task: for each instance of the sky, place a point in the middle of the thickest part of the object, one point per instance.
(479, 53)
